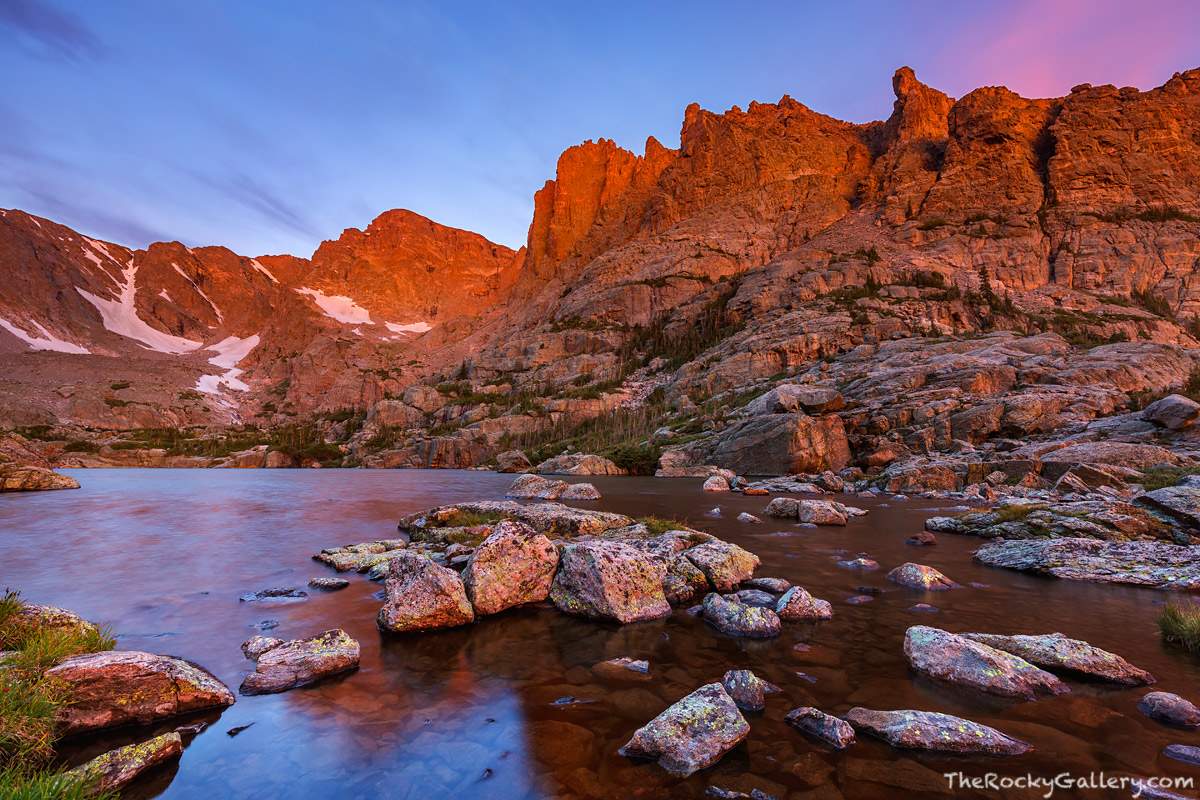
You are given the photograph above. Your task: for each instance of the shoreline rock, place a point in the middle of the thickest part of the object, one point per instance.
(287, 665)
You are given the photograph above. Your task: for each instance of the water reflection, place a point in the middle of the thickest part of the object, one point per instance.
(165, 555)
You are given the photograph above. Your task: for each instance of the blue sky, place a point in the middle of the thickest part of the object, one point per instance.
(268, 126)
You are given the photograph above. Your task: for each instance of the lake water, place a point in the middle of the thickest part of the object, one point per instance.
(164, 555)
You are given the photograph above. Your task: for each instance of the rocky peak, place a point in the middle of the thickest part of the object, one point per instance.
(919, 111)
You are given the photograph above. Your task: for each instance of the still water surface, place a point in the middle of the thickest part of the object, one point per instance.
(164, 556)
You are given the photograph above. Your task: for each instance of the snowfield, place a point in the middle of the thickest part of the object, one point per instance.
(120, 315)
(337, 307)
(47, 341)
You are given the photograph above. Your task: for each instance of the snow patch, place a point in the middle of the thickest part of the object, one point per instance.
(101, 247)
(254, 263)
(120, 315)
(230, 351)
(47, 341)
(412, 327)
(338, 307)
(163, 294)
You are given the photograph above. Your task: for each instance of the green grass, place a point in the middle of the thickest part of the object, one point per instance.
(1018, 512)
(657, 526)
(1158, 477)
(1179, 623)
(29, 701)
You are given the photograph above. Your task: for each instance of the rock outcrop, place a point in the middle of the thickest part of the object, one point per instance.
(1154, 564)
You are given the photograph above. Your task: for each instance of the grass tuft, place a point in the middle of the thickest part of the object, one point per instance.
(1179, 623)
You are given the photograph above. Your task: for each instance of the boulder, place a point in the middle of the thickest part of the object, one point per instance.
(820, 512)
(422, 596)
(826, 727)
(1119, 454)
(300, 662)
(798, 604)
(1174, 412)
(104, 690)
(692, 734)
(723, 563)
(580, 491)
(922, 539)
(115, 769)
(786, 507)
(1169, 708)
(535, 487)
(1056, 651)
(54, 617)
(747, 690)
(716, 483)
(755, 597)
(963, 662)
(924, 730)
(513, 566)
(1189, 754)
(33, 479)
(610, 580)
(512, 461)
(919, 576)
(781, 444)
(789, 397)
(579, 464)
(739, 619)
(1155, 564)
(745, 517)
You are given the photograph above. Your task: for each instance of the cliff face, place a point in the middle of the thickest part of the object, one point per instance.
(777, 215)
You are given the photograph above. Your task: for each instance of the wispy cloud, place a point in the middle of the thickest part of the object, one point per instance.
(40, 27)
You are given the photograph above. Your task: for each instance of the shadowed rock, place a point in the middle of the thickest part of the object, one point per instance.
(693, 733)
(826, 727)
(738, 619)
(747, 690)
(117, 768)
(1170, 708)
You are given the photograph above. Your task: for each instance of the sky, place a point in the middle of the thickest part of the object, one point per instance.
(270, 125)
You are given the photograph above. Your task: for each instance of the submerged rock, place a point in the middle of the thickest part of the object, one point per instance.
(826, 727)
(258, 645)
(1169, 708)
(747, 690)
(610, 580)
(124, 687)
(117, 768)
(422, 596)
(300, 662)
(623, 669)
(1056, 651)
(963, 662)
(1164, 566)
(693, 733)
(798, 604)
(744, 517)
(919, 576)
(926, 730)
(738, 619)
(513, 566)
(274, 594)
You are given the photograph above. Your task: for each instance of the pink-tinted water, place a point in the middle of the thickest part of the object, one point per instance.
(472, 712)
